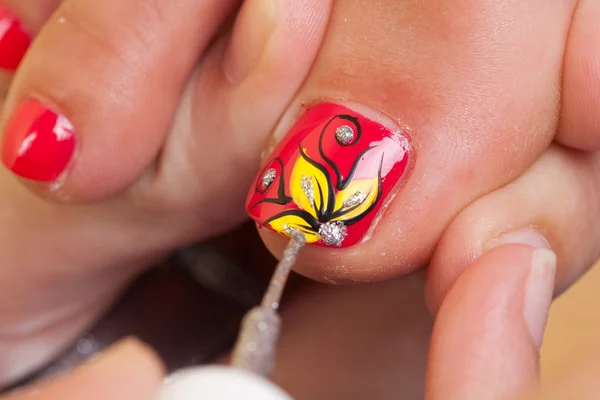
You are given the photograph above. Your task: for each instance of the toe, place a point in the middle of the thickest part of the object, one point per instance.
(445, 111)
(84, 118)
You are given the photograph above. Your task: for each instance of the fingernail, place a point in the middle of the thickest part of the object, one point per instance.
(14, 40)
(331, 176)
(38, 142)
(218, 383)
(538, 293)
(529, 237)
(254, 25)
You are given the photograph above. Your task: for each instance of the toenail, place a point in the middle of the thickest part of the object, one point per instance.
(331, 177)
(14, 40)
(38, 142)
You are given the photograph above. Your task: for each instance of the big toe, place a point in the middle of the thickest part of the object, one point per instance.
(414, 110)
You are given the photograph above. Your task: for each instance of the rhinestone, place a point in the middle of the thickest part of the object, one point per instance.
(268, 178)
(344, 134)
(333, 233)
(355, 199)
(306, 183)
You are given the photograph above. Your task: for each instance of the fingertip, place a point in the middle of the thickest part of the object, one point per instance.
(490, 324)
(469, 236)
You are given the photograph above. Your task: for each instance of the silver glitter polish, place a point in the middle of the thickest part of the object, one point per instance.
(268, 178)
(333, 233)
(289, 230)
(355, 199)
(306, 183)
(344, 134)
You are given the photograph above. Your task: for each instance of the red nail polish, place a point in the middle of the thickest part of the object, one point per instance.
(330, 177)
(38, 143)
(14, 40)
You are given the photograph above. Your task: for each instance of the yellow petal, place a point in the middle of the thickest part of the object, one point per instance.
(356, 199)
(310, 186)
(286, 222)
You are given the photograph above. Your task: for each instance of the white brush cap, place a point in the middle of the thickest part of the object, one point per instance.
(219, 383)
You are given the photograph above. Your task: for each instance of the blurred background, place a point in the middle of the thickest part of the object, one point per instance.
(189, 309)
(574, 325)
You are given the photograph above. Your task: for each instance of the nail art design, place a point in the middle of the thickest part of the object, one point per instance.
(38, 143)
(330, 177)
(14, 40)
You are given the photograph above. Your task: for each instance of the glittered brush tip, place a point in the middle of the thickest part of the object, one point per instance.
(255, 347)
(282, 271)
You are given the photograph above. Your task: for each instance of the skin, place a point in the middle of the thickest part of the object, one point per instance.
(381, 332)
(128, 370)
(491, 94)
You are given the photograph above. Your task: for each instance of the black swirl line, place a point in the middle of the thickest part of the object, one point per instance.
(280, 202)
(319, 211)
(262, 173)
(324, 212)
(323, 216)
(342, 183)
(282, 199)
(313, 226)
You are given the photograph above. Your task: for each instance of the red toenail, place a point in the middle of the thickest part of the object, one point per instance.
(38, 142)
(330, 177)
(14, 40)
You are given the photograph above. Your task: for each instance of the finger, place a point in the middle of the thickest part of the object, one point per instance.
(84, 117)
(126, 371)
(555, 201)
(413, 127)
(488, 332)
(579, 122)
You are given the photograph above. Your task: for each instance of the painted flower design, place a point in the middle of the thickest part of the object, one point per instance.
(329, 177)
(323, 213)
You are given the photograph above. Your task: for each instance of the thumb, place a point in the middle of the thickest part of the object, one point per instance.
(487, 335)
